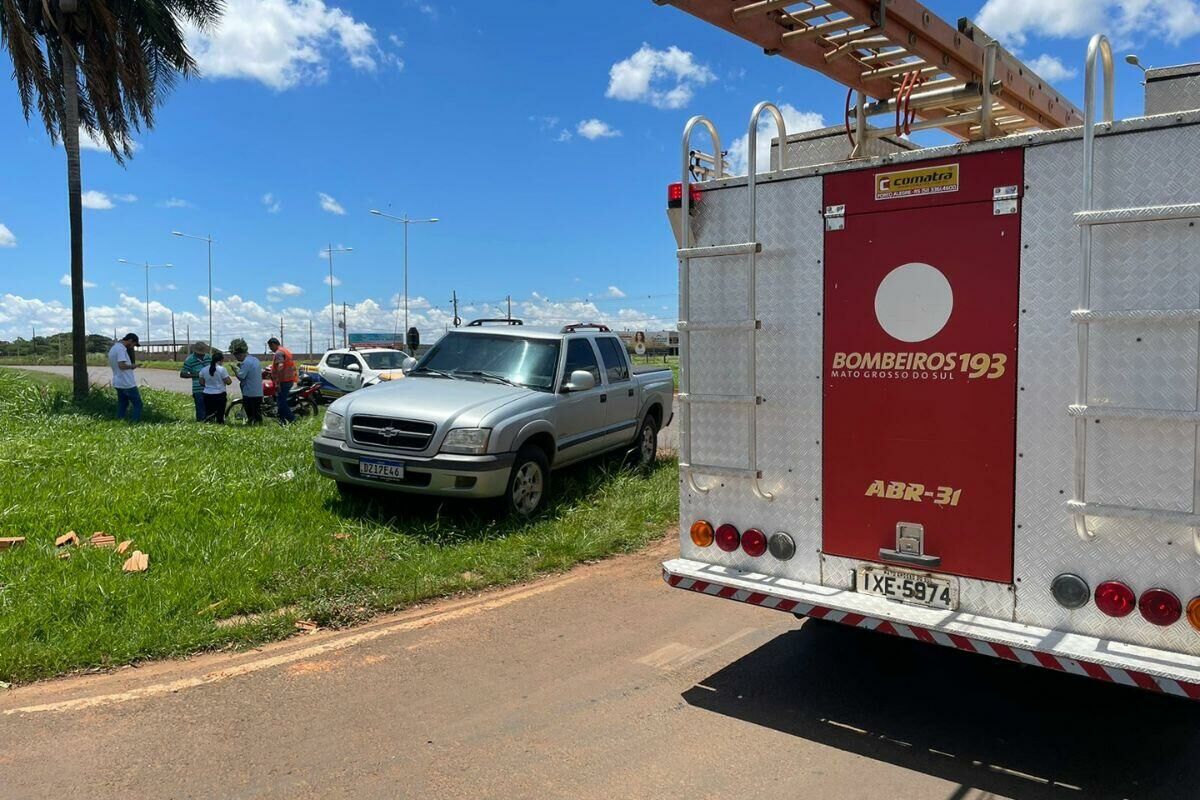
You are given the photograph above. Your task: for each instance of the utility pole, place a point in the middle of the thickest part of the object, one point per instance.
(345, 327)
(188, 336)
(281, 329)
(310, 339)
(174, 344)
(454, 299)
(509, 298)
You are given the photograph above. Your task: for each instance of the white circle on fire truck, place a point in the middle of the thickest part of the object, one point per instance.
(913, 302)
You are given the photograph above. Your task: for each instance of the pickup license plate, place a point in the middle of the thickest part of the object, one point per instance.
(934, 591)
(383, 470)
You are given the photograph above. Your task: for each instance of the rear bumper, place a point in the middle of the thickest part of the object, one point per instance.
(445, 475)
(1156, 670)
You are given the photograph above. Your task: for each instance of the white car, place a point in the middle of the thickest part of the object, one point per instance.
(348, 369)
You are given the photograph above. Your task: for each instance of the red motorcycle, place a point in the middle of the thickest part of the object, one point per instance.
(302, 399)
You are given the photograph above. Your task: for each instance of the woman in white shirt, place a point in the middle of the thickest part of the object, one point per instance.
(214, 379)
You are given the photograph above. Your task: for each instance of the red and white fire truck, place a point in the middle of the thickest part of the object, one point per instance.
(948, 393)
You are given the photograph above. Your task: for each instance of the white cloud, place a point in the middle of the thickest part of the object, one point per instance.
(284, 289)
(271, 203)
(176, 202)
(594, 129)
(89, 142)
(283, 43)
(794, 120)
(563, 136)
(330, 205)
(7, 237)
(336, 280)
(65, 280)
(662, 78)
(1014, 21)
(97, 201)
(1051, 68)
(395, 40)
(125, 198)
(614, 291)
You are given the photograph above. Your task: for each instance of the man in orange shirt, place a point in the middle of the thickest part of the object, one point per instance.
(283, 370)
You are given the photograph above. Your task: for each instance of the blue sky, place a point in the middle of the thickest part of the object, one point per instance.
(543, 142)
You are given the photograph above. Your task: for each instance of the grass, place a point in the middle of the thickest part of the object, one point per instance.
(238, 551)
(93, 360)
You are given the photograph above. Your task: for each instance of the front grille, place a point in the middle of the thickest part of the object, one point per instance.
(394, 434)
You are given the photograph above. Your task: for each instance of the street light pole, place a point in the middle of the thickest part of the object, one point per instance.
(332, 325)
(146, 266)
(209, 240)
(405, 221)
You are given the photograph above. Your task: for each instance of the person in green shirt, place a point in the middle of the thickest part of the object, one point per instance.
(196, 360)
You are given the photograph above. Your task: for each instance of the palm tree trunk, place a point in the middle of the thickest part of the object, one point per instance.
(70, 136)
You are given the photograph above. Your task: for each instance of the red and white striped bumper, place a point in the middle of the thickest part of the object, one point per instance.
(1157, 670)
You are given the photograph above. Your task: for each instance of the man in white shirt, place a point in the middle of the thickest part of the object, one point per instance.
(120, 360)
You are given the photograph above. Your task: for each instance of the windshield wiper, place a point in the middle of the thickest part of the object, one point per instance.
(479, 373)
(432, 371)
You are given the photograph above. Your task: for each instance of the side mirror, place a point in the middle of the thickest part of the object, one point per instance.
(408, 365)
(580, 381)
(354, 367)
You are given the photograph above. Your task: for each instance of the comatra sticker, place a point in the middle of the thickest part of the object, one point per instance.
(914, 182)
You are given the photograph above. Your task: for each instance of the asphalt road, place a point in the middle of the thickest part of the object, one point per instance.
(599, 683)
(668, 438)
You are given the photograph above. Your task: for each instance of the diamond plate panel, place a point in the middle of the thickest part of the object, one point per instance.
(790, 302)
(985, 598)
(1146, 265)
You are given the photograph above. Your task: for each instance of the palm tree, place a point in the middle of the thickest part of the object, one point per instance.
(103, 65)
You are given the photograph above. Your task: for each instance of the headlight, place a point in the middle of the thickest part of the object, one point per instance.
(471, 441)
(333, 427)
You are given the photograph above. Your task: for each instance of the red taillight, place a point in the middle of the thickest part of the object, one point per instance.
(728, 538)
(1160, 607)
(675, 195)
(754, 542)
(1114, 598)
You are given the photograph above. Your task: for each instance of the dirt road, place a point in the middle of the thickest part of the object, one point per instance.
(600, 683)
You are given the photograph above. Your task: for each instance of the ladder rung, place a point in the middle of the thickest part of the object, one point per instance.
(885, 55)
(1163, 315)
(1134, 512)
(813, 31)
(715, 469)
(712, 251)
(1115, 216)
(747, 399)
(1119, 412)
(900, 69)
(744, 325)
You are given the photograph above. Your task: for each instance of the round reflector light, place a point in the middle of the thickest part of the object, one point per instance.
(782, 546)
(1160, 607)
(754, 542)
(1193, 612)
(728, 538)
(1070, 590)
(1114, 598)
(702, 533)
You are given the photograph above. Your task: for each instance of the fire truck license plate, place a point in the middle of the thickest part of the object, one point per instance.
(908, 587)
(384, 470)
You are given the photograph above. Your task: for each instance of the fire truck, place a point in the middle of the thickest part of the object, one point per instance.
(947, 393)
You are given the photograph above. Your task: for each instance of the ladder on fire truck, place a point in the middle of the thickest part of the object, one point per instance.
(751, 325)
(1085, 316)
(903, 62)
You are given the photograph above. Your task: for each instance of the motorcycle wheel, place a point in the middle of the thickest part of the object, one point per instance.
(235, 412)
(306, 407)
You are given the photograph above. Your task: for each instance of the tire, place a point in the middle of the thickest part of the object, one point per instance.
(645, 446)
(235, 412)
(528, 483)
(305, 408)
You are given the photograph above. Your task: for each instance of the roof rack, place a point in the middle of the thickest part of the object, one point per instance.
(897, 53)
(479, 323)
(580, 325)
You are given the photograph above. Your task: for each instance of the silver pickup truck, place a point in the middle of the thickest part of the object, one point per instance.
(491, 409)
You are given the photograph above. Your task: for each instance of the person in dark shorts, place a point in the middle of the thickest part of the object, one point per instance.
(215, 379)
(249, 375)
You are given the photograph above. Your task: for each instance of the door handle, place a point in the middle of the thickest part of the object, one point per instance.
(603, 398)
(631, 392)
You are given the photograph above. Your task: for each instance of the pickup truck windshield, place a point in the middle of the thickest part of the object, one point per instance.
(528, 362)
(385, 360)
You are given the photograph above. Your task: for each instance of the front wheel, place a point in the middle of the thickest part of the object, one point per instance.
(235, 412)
(306, 407)
(529, 482)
